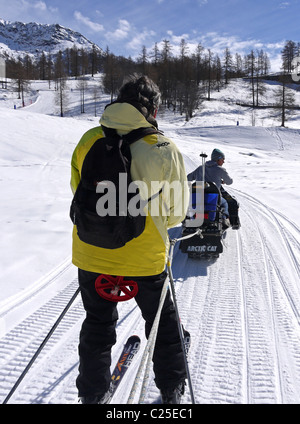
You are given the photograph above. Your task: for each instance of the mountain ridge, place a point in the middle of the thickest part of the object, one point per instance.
(18, 39)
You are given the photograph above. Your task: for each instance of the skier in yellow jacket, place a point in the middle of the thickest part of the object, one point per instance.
(155, 158)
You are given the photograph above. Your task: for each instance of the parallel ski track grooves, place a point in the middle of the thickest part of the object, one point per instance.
(23, 341)
(283, 291)
(266, 376)
(244, 318)
(285, 234)
(40, 385)
(277, 365)
(232, 352)
(210, 308)
(48, 280)
(66, 390)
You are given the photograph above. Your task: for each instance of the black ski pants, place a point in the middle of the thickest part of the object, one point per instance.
(98, 335)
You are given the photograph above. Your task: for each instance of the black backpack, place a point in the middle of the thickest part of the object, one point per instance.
(108, 157)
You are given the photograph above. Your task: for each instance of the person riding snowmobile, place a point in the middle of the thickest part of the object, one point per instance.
(214, 172)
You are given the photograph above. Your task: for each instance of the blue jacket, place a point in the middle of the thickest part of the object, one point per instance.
(213, 173)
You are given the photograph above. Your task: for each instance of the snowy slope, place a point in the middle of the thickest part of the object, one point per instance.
(243, 309)
(18, 39)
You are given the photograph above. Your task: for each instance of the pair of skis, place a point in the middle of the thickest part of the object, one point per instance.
(126, 357)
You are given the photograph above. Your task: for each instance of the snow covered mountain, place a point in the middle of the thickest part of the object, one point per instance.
(19, 39)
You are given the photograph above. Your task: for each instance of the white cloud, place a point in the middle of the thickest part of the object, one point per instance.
(139, 40)
(284, 5)
(27, 10)
(217, 43)
(40, 5)
(37, 5)
(94, 26)
(176, 39)
(276, 62)
(121, 32)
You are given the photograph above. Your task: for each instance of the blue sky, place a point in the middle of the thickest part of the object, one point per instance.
(127, 26)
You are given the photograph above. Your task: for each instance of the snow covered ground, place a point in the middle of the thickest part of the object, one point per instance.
(242, 310)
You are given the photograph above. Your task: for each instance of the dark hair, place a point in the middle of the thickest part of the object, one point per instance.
(141, 92)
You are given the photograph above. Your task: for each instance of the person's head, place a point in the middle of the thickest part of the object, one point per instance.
(141, 92)
(218, 156)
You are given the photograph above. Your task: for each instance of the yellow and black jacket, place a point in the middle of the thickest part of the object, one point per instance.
(157, 162)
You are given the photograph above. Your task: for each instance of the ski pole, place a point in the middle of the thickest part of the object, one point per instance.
(150, 343)
(156, 324)
(180, 328)
(148, 352)
(41, 347)
(203, 156)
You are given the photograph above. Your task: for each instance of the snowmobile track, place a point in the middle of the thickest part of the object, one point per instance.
(245, 341)
(291, 246)
(244, 318)
(257, 343)
(22, 342)
(59, 355)
(282, 294)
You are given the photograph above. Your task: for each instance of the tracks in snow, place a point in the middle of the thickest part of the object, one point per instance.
(20, 344)
(52, 377)
(278, 245)
(242, 311)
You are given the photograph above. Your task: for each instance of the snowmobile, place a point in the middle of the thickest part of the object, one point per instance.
(209, 242)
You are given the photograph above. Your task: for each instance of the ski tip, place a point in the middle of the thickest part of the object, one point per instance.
(134, 336)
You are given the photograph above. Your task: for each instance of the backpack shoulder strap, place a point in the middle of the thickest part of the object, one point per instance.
(135, 135)
(110, 133)
(132, 136)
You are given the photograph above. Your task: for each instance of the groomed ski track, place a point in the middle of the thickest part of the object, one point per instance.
(242, 310)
